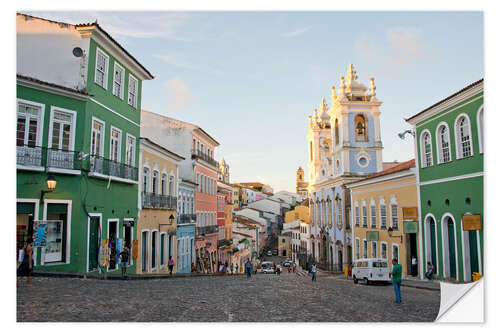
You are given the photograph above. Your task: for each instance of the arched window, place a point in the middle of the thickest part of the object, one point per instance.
(360, 129)
(443, 142)
(480, 129)
(164, 184)
(145, 180)
(463, 136)
(336, 131)
(426, 149)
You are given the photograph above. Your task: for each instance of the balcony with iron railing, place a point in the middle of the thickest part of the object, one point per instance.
(153, 200)
(202, 231)
(53, 160)
(103, 166)
(186, 218)
(205, 157)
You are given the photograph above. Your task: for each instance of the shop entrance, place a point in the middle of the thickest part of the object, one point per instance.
(127, 238)
(93, 253)
(57, 214)
(24, 225)
(113, 235)
(474, 255)
(144, 251)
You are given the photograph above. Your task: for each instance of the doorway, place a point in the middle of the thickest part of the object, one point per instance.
(449, 245)
(93, 241)
(144, 251)
(127, 239)
(112, 235)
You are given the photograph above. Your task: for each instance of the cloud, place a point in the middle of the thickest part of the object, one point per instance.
(180, 61)
(297, 32)
(165, 25)
(402, 47)
(178, 95)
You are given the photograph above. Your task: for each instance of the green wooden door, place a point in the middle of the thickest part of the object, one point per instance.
(93, 243)
(451, 250)
(474, 256)
(432, 229)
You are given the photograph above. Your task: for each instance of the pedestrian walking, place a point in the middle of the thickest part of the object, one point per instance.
(293, 269)
(170, 264)
(414, 266)
(26, 267)
(430, 271)
(124, 261)
(248, 268)
(237, 269)
(397, 270)
(313, 272)
(232, 267)
(193, 268)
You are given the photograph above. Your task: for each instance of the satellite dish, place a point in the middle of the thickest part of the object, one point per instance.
(77, 52)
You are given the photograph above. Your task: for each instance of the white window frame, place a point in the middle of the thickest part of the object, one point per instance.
(381, 252)
(364, 215)
(106, 72)
(155, 182)
(458, 143)
(423, 152)
(439, 143)
(148, 179)
(395, 245)
(148, 236)
(373, 217)
(103, 133)
(119, 142)
(394, 202)
(356, 214)
(120, 93)
(383, 216)
(39, 129)
(134, 102)
(374, 243)
(171, 184)
(480, 128)
(69, 204)
(132, 152)
(53, 109)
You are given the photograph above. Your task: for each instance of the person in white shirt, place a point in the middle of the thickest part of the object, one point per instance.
(313, 271)
(414, 266)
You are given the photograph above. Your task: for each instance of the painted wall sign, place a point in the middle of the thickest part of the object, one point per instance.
(410, 213)
(135, 249)
(372, 236)
(39, 233)
(471, 222)
(410, 227)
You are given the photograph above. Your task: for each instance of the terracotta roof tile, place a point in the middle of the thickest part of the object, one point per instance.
(400, 167)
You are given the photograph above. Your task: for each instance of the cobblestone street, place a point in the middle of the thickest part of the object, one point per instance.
(262, 298)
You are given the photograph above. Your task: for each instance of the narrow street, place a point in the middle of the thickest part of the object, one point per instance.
(262, 298)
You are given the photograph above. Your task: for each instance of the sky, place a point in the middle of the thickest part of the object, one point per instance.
(251, 79)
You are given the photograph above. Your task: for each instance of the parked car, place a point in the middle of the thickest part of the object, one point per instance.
(275, 252)
(370, 270)
(269, 253)
(287, 263)
(267, 267)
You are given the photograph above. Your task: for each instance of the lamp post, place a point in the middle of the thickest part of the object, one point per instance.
(171, 218)
(403, 134)
(51, 185)
(390, 231)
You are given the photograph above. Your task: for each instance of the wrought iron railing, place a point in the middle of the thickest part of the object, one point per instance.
(207, 158)
(47, 157)
(107, 167)
(186, 218)
(224, 242)
(211, 229)
(153, 200)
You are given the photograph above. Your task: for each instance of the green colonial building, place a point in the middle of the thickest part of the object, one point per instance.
(449, 151)
(78, 126)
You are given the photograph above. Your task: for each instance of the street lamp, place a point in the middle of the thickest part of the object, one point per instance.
(171, 218)
(390, 231)
(403, 134)
(51, 185)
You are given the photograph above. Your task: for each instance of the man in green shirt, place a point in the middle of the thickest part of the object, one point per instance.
(397, 271)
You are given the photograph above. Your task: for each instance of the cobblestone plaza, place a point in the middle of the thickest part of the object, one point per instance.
(262, 298)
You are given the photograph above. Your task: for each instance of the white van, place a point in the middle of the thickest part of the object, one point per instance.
(372, 269)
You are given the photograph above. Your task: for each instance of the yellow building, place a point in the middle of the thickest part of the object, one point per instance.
(284, 249)
(157, 226)
(298, 213)
(384, 212)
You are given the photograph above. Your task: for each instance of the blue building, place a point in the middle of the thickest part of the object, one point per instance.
(186, 224)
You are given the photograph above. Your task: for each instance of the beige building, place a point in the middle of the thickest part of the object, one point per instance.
(384, 211)
(298, 213)
(157, 226)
